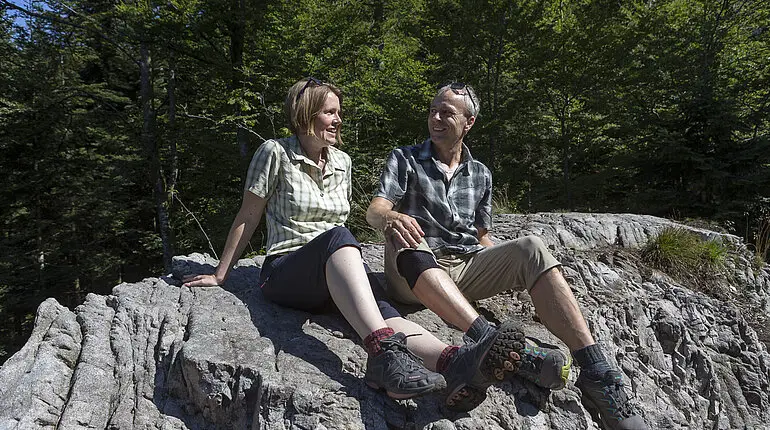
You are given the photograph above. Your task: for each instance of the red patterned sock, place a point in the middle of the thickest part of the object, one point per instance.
(445, 357)
(372, 342)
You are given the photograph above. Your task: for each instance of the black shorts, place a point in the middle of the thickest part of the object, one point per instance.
(298, 279)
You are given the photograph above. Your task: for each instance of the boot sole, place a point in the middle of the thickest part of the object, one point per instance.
(403, 396)
(470, 401)
(500, 366)
(564, 374)
(467, 401)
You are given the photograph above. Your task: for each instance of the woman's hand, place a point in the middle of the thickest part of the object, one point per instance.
(201, 281)
(243, 227)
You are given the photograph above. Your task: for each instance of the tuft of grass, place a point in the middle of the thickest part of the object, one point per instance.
(713, 253)
(688, 258)
(502, 203)
(762, 242)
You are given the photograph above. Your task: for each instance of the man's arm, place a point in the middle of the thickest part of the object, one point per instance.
(484, 238)
(402, 228)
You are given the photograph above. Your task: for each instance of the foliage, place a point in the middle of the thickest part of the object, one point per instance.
(503, 203)
(688, 258)
(126, 128)
(762, 242)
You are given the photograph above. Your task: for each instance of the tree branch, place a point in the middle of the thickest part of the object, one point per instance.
(53, 18)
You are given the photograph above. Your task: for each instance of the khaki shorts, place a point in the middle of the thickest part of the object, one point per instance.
(512, 265)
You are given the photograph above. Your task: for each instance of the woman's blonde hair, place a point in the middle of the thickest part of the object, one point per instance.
(305, 101)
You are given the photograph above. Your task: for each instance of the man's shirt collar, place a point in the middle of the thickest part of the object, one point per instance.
(426, 152)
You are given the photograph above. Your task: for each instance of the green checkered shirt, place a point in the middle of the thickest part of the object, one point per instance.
(303, 201)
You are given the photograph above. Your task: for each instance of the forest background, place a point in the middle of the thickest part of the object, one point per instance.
(126, 126)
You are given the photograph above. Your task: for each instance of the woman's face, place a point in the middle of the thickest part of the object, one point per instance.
(326, 124)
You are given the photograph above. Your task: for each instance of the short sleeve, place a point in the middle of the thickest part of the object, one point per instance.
(349, 178)
(262, 176)
(345, 165)
(394, 177)
(484, 208)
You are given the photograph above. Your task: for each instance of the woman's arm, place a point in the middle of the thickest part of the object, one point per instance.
(243, 227)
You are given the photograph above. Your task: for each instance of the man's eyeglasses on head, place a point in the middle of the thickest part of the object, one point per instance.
(461, 89)
(310, 80)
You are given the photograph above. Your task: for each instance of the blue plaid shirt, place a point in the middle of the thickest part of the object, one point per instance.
(450, 212)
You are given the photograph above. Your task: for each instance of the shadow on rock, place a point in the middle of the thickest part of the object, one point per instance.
(306, 365)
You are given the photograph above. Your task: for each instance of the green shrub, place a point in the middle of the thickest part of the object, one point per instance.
(359, 203)
(686, 257)
(713, 253)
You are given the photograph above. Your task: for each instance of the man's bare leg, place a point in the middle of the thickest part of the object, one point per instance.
(559, 311)
(436, 290)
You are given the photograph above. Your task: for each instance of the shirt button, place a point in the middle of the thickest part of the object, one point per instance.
(322, 194)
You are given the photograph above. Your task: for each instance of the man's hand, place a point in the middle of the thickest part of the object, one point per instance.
(484, 238)
(403, 230)
(201, 281)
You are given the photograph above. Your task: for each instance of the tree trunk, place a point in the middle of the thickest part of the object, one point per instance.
(494, 103)
(237, 29)
(172, 135)
(39, 240)
(149, 138)
(77, 292)
(565, 141)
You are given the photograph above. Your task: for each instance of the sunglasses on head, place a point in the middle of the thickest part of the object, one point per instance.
(461, 89)
(310, 80)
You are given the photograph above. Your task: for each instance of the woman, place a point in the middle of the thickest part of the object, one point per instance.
(303, 184)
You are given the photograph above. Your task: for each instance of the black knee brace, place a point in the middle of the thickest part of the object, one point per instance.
(411, 264)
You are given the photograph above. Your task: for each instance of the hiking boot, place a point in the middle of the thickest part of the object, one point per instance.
(514, 354)
(545, 367)
(466, 398)
(499, 354)
(399, 372)
(603, 396)
(466, 389)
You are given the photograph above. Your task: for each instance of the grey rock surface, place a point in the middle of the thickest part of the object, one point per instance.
(154, 355)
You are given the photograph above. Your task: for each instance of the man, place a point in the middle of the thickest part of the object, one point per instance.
(434, 206)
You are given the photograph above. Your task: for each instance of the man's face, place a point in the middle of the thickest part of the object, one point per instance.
(448, 120)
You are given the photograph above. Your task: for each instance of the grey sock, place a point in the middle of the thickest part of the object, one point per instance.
(478, 328)
(591, 359)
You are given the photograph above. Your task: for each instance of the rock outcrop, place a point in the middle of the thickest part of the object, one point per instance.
(154, 355)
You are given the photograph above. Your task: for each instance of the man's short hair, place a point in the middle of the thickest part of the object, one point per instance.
(305, 101)
(472, 103)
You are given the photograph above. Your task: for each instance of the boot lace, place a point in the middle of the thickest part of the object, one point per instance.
(399, 347)
(613, 394)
